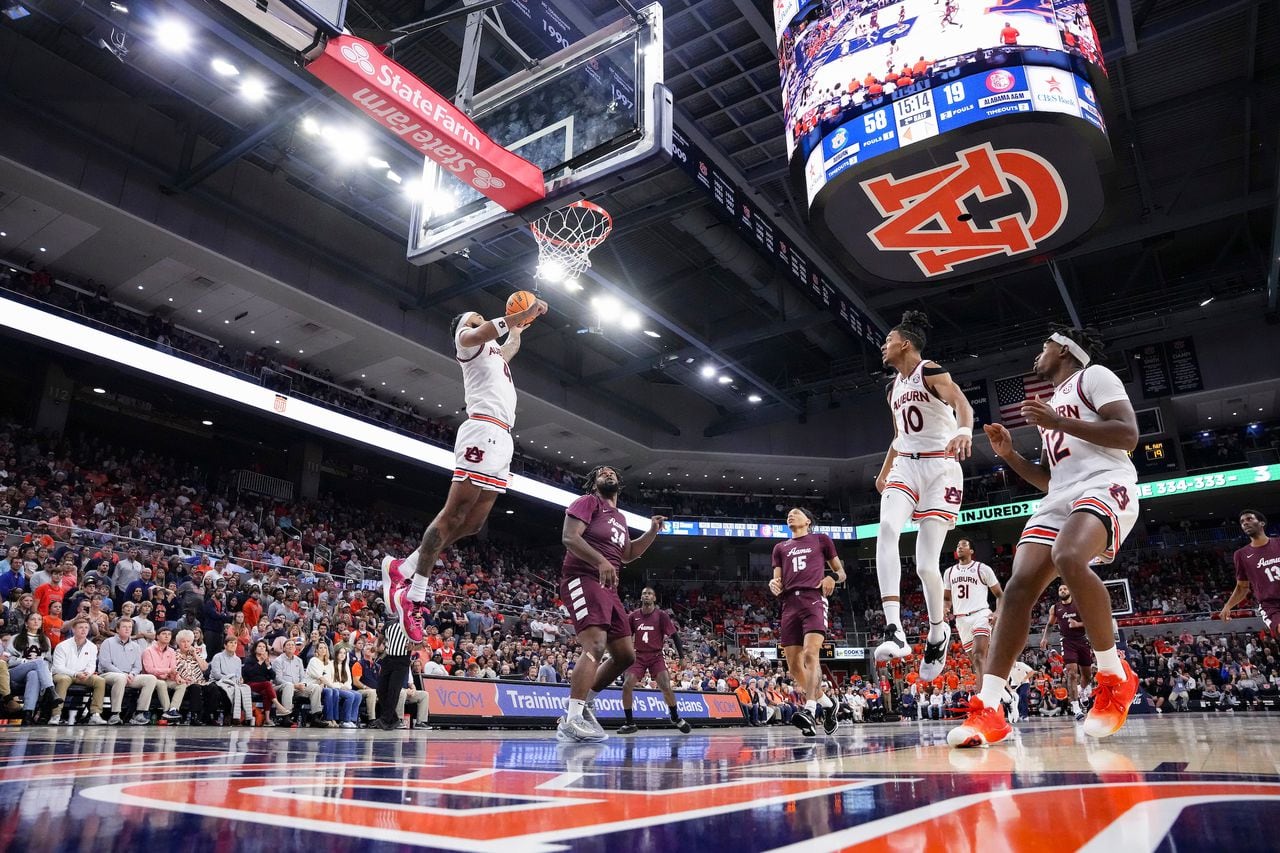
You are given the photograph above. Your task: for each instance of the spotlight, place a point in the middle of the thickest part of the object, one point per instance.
(173, 35)
(253, 90)
(120, 7)
(393, 177)
(99, 390)
(572, 284)
(207, 423)
(391, 476)
(754, 398)
(724, 380)
(631, 321)
(378, 163)
(224, 68)
(651, 333)
(551, 270)
(707, 371)
(311, 126)
(1205, 302)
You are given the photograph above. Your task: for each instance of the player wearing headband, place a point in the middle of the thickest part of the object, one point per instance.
(597, 543)
(1087, 430)
(482, 455)
(920, 481)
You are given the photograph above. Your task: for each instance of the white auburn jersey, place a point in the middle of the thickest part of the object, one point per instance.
(922, 423)
(1074, 461)
(968, 585)
(486, 380)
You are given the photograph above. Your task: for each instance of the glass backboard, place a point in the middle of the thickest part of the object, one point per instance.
(590, 113)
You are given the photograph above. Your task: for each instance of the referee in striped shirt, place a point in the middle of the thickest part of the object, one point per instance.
(394, 676)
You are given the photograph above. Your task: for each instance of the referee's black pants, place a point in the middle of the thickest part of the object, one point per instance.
(392, 679)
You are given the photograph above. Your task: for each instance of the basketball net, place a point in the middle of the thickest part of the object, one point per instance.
(565, 239)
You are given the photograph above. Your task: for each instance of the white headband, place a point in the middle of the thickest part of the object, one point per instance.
(1072, 347)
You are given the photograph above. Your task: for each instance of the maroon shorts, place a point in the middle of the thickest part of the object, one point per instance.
(1270, 613)
(1077, 652)
(804, 611)
(652, 663)
(592, 606)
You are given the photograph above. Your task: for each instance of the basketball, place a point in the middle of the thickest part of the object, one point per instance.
(519, 301)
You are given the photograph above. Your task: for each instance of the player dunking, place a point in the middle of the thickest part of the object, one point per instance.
(482, 455)
(801, 581)
(650, 627)
(597, 543)
(1077, 656)
(1257, 571)
(965, 592)
(1088, 429)
(920, 481)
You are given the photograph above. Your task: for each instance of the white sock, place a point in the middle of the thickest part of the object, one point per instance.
(937, 630)
(1109, 661)
(893, 613)
(992, 690)
(825, 701)
(811, 706)
(575, 708)
(410, 564)
(928, 545)
(419, 587)
(1075, 707)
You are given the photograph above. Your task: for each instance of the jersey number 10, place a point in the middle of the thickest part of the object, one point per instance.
(912, 420)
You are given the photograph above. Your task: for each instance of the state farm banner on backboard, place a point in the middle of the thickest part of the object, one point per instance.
(426, 120)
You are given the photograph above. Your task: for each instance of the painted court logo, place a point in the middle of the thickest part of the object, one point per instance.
(925, 214)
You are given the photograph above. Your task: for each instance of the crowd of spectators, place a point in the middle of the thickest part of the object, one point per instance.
(1228, 447)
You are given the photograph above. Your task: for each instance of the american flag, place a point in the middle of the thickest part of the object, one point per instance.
(1012, 391)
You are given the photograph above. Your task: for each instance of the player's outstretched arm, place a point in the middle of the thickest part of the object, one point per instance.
(949, 392)
(1044, 638)
(1002, 443)
(493, 329)
(1117, 429)
(512, 346)
(1239, 594)
(637, 547)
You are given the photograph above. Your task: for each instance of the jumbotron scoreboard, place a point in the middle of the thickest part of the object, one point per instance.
(935, 140)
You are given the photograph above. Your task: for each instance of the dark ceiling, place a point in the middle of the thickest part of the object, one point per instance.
(1193, 127)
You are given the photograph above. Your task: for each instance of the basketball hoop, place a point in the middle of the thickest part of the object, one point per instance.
(566, 237)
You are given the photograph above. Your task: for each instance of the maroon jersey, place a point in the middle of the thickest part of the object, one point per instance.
(1066, 612)
(650, 631)
(606, 532)
(1261, 568)
(804, 560)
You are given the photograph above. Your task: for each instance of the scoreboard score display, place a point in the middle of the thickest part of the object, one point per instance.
(933, 141)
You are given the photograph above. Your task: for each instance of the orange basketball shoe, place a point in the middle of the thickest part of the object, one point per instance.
(983, 727)
(1111, 702)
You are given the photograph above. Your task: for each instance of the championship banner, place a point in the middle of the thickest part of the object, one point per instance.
(393, 97)
(976, 393)
(486, 701)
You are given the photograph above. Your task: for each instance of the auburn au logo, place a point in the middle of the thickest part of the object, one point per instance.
(473, 455)
(925, 213)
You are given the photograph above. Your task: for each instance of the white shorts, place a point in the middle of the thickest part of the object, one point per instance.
(935, 487)
(482, 454)
(970, 625)
(1114, 504)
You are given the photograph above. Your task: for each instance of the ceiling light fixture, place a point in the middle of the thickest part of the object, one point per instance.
(207, 423)
(651, 333)
(707, 371)
(224, 68)
(173, 35)
(391, 476)
(253, 90)
(754, 398)
(724, 380)
(311, 126)
(99, 390)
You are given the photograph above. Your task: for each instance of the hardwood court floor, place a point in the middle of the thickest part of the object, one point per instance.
(1176, 783)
